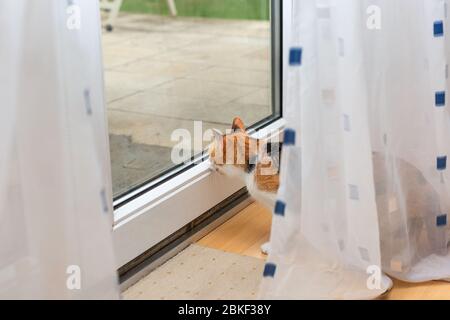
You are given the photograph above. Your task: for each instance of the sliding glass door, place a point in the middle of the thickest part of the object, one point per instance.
(172, 71)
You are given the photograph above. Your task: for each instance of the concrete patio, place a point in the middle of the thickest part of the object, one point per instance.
(164, 73)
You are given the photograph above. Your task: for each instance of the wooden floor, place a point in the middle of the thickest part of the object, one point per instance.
(245, 232)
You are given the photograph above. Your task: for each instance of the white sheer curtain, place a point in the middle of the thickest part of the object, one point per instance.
(365, 177)
(55, 210)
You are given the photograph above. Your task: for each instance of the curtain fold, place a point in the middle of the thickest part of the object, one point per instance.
(365, 184)
(55, 208)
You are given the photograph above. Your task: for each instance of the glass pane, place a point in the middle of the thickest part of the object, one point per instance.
(209, 63)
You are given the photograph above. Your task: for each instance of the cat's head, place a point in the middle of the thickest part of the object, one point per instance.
(230, 153)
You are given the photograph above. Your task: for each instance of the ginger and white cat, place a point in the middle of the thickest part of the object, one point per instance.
(254, 161)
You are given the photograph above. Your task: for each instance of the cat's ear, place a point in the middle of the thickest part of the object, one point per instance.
(238, 124)
(217, 135)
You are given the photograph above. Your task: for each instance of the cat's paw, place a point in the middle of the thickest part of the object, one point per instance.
(265, 248)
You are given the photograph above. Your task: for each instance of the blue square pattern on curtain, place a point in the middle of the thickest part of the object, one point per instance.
(269, 270)
(441, 221)
(438, 29)
(440, 99)
(441, 163)
(295, 56)
(280, 208)
(289, 137)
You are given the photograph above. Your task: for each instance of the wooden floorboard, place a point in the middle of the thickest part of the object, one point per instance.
(242, 234)
(249, 229)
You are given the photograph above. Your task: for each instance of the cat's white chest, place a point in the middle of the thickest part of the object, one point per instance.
(265, 198)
